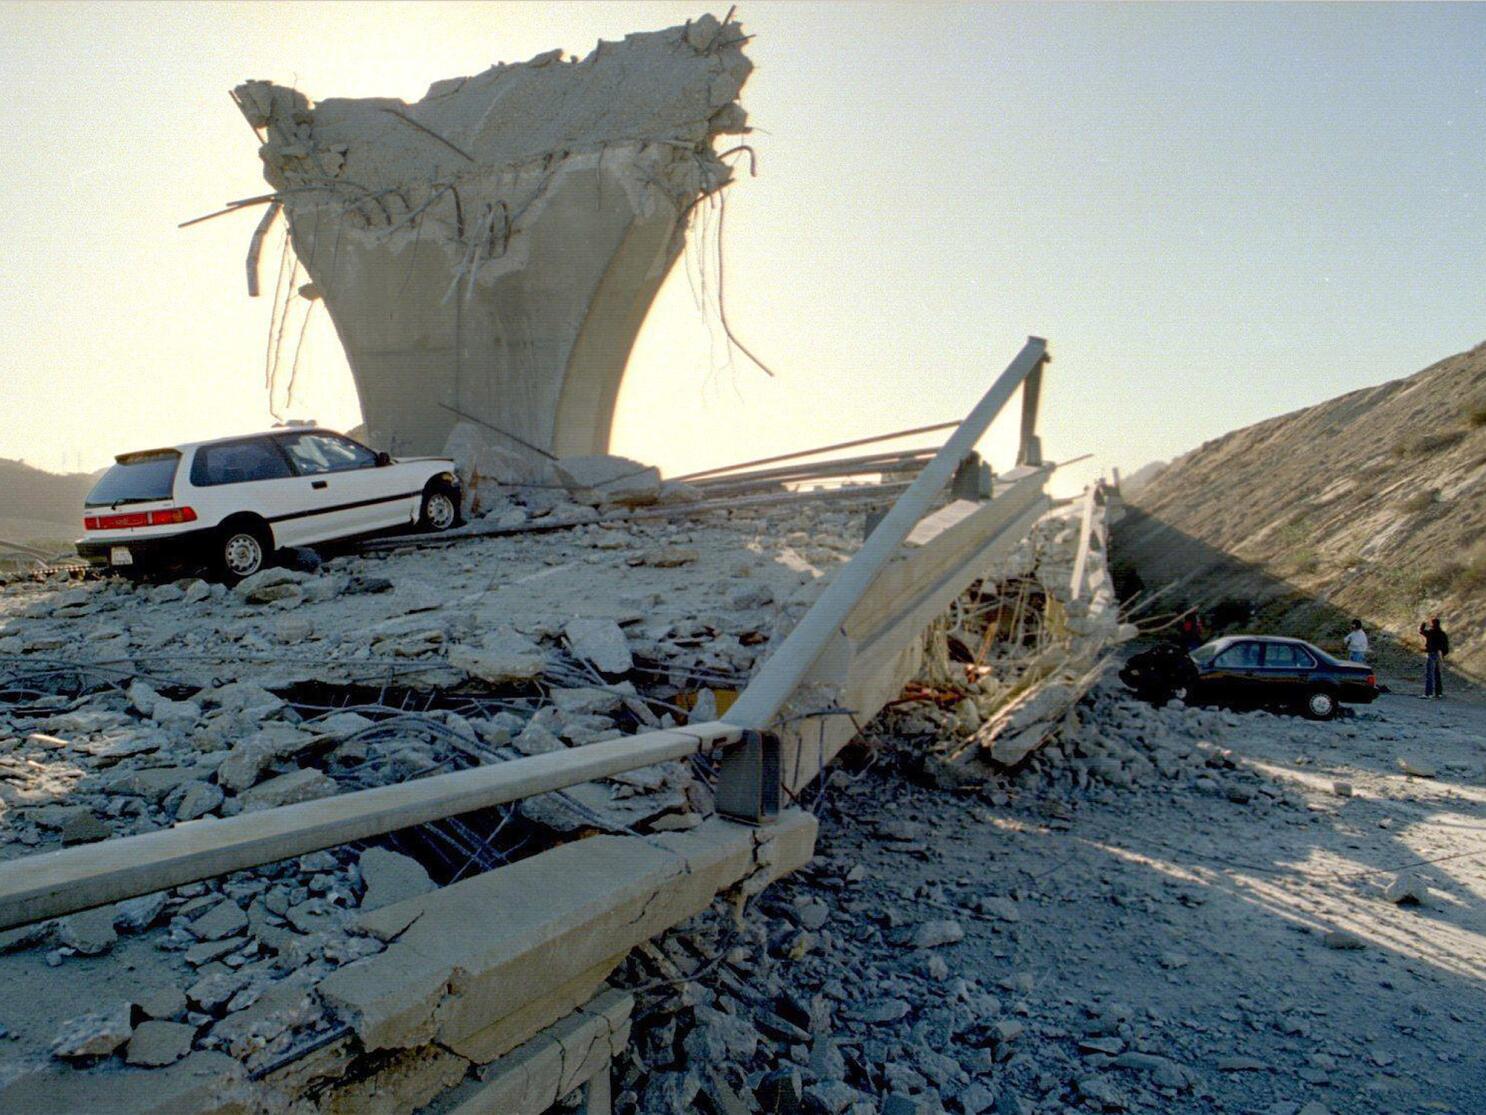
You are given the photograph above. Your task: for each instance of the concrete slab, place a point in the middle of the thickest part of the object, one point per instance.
(530, 1079)
(474, 953)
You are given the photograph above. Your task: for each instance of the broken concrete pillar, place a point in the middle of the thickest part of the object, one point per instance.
(490, 251)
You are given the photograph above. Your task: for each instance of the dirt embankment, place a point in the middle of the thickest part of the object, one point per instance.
(1368, 505)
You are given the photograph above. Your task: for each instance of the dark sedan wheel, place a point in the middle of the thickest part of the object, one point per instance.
(1320, 704)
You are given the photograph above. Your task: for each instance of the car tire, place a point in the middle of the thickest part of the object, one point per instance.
(1320, 704)
(440, 509)
(242, 550)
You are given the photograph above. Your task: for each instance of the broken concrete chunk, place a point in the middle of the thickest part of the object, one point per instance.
(504, 655)
(167, 1004)
(94, 1035)
(175, 714)
(280, 1008)
(1344, 940)
(213, 991)
(1407, 890)
(157, 1043)
(135, 915)
(287, 789)
(225, 919)
(243, 764)
(242, 697)
(536, 740)
(26, 936)
(268, 585)
(601, 642)
(705, 709)
(90, 932)
(199, 799)
(609, 479)
(84, 828)
(589, 700)
(1415, 767)
(390, 878)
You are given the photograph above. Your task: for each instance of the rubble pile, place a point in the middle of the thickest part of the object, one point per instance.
(1017, 948)
(131, 708)
(1007, 667)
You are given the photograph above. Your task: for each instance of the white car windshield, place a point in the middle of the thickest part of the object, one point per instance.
(314, 453)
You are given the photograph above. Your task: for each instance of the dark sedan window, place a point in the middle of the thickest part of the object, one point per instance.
(1240, 656)
(1285, 656)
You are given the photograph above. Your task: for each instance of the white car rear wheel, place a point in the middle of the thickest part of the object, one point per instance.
(243, 553)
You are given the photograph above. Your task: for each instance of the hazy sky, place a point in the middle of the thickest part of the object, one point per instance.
(1214, 213)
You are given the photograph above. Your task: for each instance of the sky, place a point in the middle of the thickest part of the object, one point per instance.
(1214, 213)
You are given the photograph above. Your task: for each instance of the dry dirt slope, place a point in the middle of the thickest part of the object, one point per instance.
(1370, 504)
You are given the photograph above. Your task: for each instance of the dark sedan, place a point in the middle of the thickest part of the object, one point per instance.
(1250, 671)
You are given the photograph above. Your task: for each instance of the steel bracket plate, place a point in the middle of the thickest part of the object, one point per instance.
(748, 783)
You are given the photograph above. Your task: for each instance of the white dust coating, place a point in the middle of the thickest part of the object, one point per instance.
(489, 252)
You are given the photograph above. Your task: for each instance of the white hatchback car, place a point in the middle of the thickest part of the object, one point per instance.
(231, 503)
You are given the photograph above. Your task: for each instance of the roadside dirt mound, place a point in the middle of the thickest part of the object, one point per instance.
(1367, 505)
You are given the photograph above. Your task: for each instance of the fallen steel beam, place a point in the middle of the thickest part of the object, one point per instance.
(863, 493)
(55, 883)
(883, 462)
(690, 476)
(904, 468)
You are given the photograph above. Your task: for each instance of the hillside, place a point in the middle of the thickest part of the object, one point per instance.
(1368, 505)
(40, 506)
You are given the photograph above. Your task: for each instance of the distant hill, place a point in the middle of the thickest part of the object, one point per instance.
(39, 505)
(1140, 478)
(1372, 504)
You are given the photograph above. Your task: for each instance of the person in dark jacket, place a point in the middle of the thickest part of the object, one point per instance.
(1436, 649)
(1190, 632)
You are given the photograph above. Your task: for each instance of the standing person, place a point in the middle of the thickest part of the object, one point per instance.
(1191, 632)
(1356, 642)
(1436, 649)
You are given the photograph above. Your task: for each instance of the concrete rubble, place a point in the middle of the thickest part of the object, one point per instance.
(489, 252)
(1023, 947)
(138, 708)
(142, 707)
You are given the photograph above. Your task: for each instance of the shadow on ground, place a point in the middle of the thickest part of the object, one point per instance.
(1153, 561)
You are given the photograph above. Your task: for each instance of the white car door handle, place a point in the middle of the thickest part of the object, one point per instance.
(317, 484)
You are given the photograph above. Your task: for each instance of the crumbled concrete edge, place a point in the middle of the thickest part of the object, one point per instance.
(403, 999)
